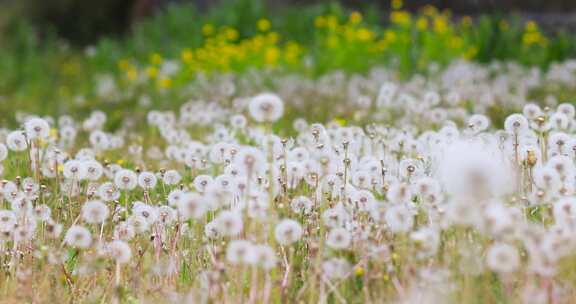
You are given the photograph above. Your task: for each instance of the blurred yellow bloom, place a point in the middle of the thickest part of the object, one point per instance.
(389, 36)
(231, 34)
(60, 168)
(207, 29)
(132, 74)
(355, 17)
(531, 26)
(400, 17)
(264, 25)
(532, 35)
(440, 24)
(429, 10)
(152, 72)
(364, 34)
(455, 42)
(359, 271)
(422, 23)
(120, 162)
(164, 83)
(187, 55)
(54, 133)
(272, 38)
(331, 22)
(156, 58)
(271, 55)
(396, 4)
(201, 54)
(471, 53)
(530, 38)
(123, 64)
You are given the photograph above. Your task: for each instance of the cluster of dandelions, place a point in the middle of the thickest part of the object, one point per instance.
(449, 93)
(334, 213)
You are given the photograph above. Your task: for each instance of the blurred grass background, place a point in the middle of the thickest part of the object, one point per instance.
(54, 52)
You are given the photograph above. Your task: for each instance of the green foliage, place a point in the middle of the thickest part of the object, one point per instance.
(46, 75)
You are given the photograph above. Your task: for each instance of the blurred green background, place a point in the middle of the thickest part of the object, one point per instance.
(66, 56)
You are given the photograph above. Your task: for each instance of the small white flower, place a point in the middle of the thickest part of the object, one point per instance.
(339, 238)
(119, 251)
(191, 205)
(78, 236)
(16, 141)
(266, 107)
(74, 169)
(288, 231)
(264, 256)
(139, 223)
(516, 124)
(301, 204)
(171, 177)
(502, 258)
(37, 128)
(42, 212)
(124, 231)
(126, 179)
(229, 223)
(240, 252)
(399, 218)
(95, 212)
(147, 180)
(148, 212)
(336, 268)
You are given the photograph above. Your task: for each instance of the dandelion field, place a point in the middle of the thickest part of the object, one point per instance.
(255, 160)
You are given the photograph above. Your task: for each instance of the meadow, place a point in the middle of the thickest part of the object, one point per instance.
(313, 155)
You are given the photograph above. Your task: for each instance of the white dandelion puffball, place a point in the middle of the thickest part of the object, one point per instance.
(264, 256)
(502, 258)
(516, 124)
(240, 252)
(266, 107)
(37, 128)
(473, 167)
(119, 251)
(126, 179)
(78, 236)
(95, 212)
(16, 141)
(147, 180)
(288, 231)
(339, 238)
(229, 223)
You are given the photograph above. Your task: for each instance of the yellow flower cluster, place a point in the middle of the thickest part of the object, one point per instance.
(222, 51)
(411, 40)
(532, 35)
(348, 34)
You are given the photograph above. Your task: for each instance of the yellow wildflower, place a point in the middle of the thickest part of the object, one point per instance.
(264, 25)
(396, 4)
(207, 29)
(355, 17)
